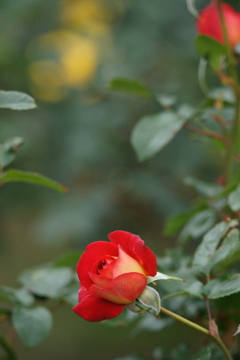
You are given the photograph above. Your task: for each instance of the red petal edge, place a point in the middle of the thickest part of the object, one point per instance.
(124, 289)
(95, 309)
(134, 246)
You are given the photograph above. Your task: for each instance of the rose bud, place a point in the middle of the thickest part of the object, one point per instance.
(209, 24)
(113, 275)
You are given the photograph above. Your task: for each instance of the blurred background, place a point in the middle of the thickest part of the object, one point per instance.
(64, 53)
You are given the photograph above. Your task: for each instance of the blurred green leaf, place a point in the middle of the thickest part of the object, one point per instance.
(174, 224)
(209, 244)
(8, 150)
(16, 100)
(211, 50)
(186, 111)
(129, 86)
(197, 225)
(202, 187)
(166, 100)
(228, 189)
(47, 281)
(32, 325)
(190, 289)
(234, 199)
(153, 132)
(234, 258)
(14, 175)
(68, 259)
(71, 294)
(17, 296)
(228, 247)
(223, 286)
(152, 324)
(205, 354)
(223, 93)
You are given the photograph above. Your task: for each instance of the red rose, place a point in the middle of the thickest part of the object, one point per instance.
(208, 23)
(112, 275)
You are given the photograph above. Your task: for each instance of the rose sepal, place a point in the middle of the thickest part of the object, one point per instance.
(136, 307)
(150, 298)
(161, 276)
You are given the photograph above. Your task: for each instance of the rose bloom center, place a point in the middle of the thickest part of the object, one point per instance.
(108, 267)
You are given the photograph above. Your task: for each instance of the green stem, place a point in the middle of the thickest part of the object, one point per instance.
(8, 349)
(233, 73)
(234, 136)
(199, 328)
(230, 55)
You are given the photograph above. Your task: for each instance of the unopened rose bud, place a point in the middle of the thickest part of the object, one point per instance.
(209, 24)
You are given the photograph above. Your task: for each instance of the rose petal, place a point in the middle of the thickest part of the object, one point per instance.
(108, 270)
(93, 252)
(126, 264)
(99, 280)
(134, 246)
(124, 289)
(91, 308)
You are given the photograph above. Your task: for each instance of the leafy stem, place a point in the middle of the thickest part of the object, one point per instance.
(7, 348)
(235, 86)
(230, 55)
(233, 140)
(199, 328)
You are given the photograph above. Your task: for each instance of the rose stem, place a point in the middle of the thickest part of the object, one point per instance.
(199, 328)
(235, 130)
(8, 349)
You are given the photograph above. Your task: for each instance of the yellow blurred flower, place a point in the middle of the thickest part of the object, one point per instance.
(92, 16)
(73, 63)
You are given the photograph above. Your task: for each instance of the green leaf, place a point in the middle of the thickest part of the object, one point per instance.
(174, 224)
(14, 175)
(153, 132)
(16, 100)
(150, 298)
(223, 93)
(190, 289)
(47, 281)
(234, 258)
(160, 276)
(228, 247)
(71, 294)
(150, 323)
(211, 50)
(166, 100)
(186, 111)
(8, 150)
(197, 225)
(205, 354)
(228, 190)
(234, 199)
(32, 325)
(129, 86)
(209, 244)
(69, 259)
(223, 286)
(202, 187)
(17, 296)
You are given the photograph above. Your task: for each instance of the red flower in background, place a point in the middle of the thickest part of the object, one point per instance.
(112, 275)
(208, 23)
